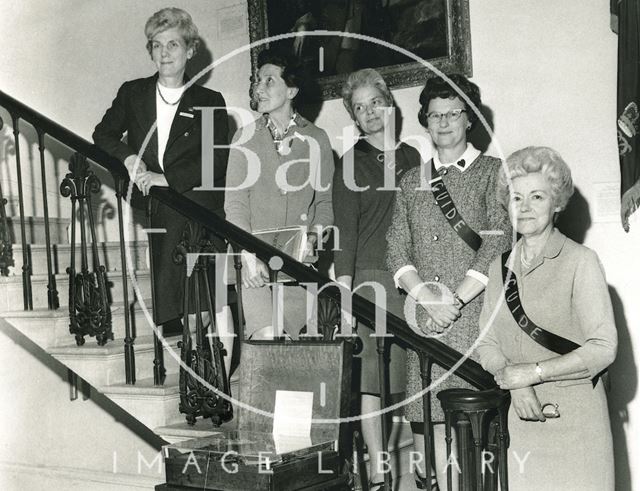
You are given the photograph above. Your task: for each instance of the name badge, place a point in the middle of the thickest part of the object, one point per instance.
(186, 115)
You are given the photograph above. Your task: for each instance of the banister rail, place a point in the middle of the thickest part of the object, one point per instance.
(62, 134)
(364, 310)
(429, 350)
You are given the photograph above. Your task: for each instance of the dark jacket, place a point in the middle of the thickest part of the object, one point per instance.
(133, 112)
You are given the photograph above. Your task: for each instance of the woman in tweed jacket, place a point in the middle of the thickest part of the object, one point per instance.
(424, 247)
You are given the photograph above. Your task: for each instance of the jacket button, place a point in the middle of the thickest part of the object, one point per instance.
(186, 134)
(435, 237)
(436, 278)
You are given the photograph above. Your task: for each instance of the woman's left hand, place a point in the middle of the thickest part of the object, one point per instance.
(517, 376)
(146, 180)
(310, 255)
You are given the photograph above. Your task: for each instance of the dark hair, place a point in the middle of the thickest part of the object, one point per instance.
(292, 73)
(291, 68)
(438, 87)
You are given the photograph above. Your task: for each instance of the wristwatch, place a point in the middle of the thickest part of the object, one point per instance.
(539, 372)
(459, 302)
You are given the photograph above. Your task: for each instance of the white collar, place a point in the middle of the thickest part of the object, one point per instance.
(469, 155)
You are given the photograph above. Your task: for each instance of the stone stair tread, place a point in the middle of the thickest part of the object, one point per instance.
(43, 312)
(113, 347)
(63, 276)
(145, 386)
(38, 313)
(101, 245)
(201, 429)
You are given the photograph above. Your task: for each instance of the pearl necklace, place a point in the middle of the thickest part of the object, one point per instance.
(166, 101)
(526, 263)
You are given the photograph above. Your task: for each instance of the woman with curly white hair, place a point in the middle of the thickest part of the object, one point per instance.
(548, 334)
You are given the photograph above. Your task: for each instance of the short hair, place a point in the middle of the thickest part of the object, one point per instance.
(168, 18)
(438, 87)
(292, 73)
(367, 77)
(537, 159)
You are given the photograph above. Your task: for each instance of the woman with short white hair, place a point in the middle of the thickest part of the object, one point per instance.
(363, 216)
(548, 334)
(163, 106)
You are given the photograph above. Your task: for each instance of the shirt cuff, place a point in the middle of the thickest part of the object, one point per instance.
(400, 272)
(477, 276)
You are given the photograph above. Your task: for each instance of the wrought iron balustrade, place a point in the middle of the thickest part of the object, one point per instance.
(431, 351)
(89, 310)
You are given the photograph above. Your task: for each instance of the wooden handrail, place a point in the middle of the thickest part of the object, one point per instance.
(363, 310)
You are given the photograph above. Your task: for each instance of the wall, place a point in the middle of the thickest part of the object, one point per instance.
(543, 87)
(50, 442)
(547, 71)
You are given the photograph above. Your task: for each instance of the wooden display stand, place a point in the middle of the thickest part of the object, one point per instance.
(249, 458)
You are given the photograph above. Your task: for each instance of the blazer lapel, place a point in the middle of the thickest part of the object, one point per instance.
(144, 109)
(181, 124)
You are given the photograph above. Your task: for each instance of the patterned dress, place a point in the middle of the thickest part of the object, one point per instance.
(421, 236)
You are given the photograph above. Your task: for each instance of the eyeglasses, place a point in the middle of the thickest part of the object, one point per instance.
(452, 115)
(550, 410)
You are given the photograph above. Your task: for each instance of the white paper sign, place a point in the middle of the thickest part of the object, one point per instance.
(607, 202)
(292, 420)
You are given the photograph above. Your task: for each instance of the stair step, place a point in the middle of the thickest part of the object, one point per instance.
(11, 288)
(35, 230)
(152, 405)
(144, 387)
(37, 324)
(183, 431)
(104, 365)
(108, 255)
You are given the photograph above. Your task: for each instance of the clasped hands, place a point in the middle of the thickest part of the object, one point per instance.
(143, 178)
(441, 314)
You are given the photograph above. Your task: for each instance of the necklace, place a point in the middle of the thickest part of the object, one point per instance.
(526, 263)
(166, 101)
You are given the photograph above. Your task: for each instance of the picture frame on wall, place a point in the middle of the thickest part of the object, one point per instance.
(434, 30)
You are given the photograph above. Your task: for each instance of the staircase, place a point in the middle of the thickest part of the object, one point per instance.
(143, 414)
(102, 367)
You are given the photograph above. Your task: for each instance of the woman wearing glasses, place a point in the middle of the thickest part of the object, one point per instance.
(560, 337)
(444, 234)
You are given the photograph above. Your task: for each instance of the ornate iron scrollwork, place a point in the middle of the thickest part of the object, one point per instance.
(89, 311)
(6, 249)
(202, 373)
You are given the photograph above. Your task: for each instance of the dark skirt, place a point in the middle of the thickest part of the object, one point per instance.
(365, 364)
(169, 273)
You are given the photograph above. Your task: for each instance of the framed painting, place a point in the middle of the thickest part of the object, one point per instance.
(434, 30)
